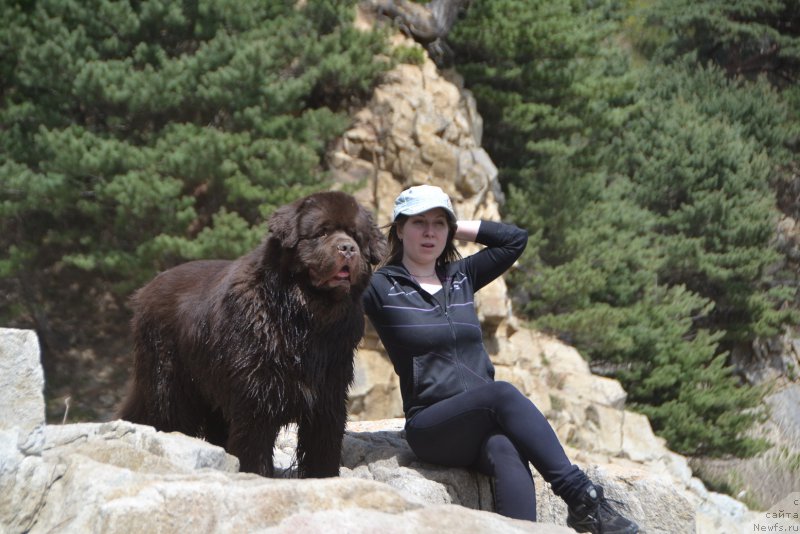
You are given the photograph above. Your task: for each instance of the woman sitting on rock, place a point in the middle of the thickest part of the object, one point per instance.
(421, 303)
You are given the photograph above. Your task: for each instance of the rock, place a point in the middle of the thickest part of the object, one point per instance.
(419, 127)
(768, 477)
(434, 520)
(378, 451)
(92, 496)
(121, 477)
(136, 447)
(24, 484)
(21, 386)
(111, 477)
(374, 393)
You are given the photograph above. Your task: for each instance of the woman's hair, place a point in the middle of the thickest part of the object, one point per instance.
(395, 255)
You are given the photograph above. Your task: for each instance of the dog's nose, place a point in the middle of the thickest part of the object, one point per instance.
(347, 249)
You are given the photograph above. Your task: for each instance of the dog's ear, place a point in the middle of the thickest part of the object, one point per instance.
(376, 245)
(283, 225)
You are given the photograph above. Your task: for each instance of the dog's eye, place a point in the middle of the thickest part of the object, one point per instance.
(318, 235)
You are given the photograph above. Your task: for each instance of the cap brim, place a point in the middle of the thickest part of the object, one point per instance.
(422, 208)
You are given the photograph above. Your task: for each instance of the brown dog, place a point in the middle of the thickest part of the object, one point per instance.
(234, 350)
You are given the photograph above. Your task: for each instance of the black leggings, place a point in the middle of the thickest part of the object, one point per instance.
(497, 430)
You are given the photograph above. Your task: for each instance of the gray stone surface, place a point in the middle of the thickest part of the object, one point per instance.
(21, 386)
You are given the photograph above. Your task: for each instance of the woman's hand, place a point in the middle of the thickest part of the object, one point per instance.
(467, 230)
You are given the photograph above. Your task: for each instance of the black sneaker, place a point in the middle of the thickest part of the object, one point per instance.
(595, 515)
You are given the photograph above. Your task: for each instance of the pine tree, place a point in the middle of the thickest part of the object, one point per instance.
(706, 178)
(547, 91)
(141, 134)
(745, 37)
(675, 375)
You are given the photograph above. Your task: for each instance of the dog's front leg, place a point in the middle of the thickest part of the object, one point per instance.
(319, 438)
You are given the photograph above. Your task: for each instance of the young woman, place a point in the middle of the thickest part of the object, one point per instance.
(421, 304)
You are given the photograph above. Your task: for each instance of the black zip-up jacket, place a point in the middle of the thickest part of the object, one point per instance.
(435, 341)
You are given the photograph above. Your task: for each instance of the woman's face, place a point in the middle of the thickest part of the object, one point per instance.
(424, 236)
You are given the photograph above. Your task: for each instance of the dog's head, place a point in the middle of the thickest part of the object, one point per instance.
(329, 240)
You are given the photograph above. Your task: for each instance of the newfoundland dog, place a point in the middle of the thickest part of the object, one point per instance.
(232, 351)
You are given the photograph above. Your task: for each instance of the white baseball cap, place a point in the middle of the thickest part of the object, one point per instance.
(421, 198)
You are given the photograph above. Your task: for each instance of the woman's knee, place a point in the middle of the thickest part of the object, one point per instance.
(504, 392)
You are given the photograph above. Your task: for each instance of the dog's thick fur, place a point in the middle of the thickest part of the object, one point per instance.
(234, 350)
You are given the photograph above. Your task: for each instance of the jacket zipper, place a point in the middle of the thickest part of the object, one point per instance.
(445, 289)
(459, 367)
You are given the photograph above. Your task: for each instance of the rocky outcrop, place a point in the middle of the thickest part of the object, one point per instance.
(120, 477)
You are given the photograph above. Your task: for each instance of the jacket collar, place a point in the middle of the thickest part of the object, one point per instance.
(399, 270)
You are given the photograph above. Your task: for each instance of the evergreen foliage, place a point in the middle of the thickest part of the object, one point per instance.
(705, 178)
(750, 40)
(649, 207)
(140, 134)
(547, 94)
(746, 37)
